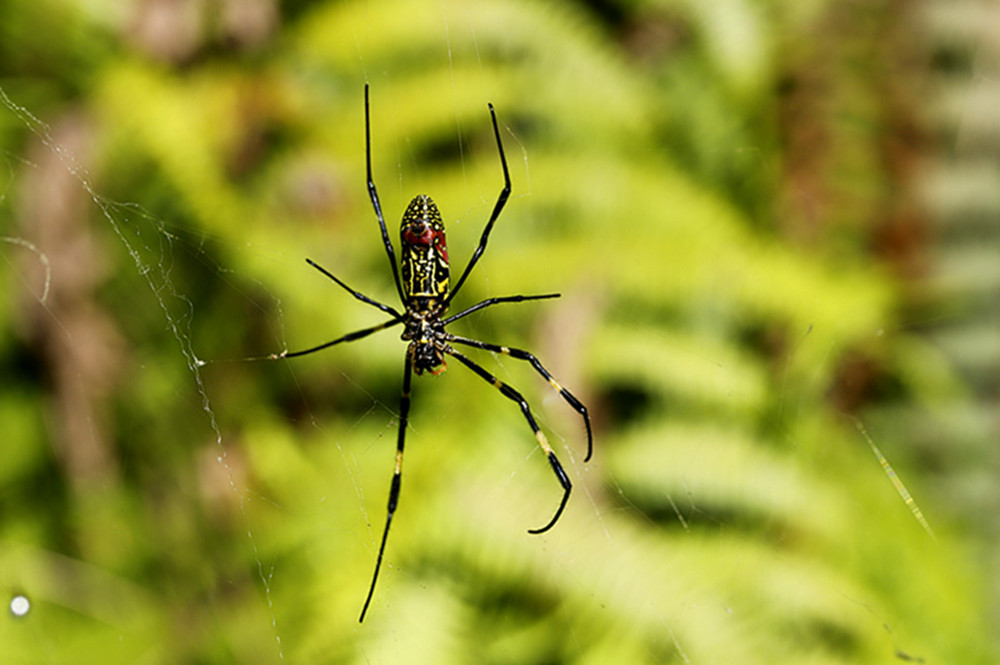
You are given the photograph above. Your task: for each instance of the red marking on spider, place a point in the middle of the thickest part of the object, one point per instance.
(428, 238)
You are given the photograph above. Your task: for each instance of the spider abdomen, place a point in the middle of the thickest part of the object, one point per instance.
(424, 259)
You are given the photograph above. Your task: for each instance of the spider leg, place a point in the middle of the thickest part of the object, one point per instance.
(373, 195)
(349, 337)
(397, 475)
(501, 201)
(357, 294)
(493, 301)
(512, 394)
(525, 355)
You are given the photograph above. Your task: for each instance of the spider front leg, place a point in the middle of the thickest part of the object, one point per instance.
(357, 294)
(501, 202)
(397, 476)
(373, 195)
(512, 394)
(525, 355)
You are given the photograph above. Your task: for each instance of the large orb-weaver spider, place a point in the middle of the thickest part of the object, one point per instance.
(424, 292)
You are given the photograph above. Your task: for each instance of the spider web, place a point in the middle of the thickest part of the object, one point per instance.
(149, 243)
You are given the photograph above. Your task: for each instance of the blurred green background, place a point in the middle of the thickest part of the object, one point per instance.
(774, 228)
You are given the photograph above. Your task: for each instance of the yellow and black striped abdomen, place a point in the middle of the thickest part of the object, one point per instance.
(424, 259)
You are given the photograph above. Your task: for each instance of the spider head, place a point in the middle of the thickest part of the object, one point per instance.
(424, 259)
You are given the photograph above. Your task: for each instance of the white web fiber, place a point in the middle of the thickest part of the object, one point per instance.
(149, 243)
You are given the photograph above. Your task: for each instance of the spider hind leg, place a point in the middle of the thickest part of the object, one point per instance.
(397, 479)
(525, 355)
(514, 395)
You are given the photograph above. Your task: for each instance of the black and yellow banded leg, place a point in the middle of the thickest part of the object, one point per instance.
(524, 355)
(512, 394)
(373, 195)
(357, 294)
(397, 476)
(349, 337)
(495, 301)
(501, 202)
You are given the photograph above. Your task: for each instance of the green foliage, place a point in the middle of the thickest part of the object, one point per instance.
(230, 511)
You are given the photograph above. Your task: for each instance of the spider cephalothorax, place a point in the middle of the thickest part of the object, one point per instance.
(425, 295)
(428, 340)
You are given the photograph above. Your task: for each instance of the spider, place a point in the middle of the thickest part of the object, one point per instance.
(424, 292)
